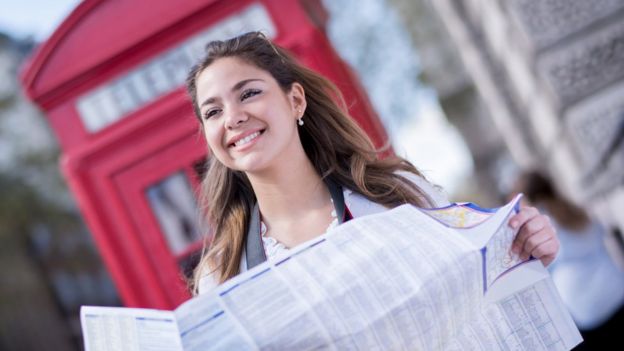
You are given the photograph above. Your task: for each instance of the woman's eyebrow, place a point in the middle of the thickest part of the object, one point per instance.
(236, 87)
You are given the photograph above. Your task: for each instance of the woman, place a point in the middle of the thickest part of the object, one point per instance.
(289, 163)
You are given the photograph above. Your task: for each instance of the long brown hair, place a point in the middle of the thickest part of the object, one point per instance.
(337, 147)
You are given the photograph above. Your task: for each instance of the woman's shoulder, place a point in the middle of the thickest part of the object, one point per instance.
(359, 205)
(207, 283)
(436, 195)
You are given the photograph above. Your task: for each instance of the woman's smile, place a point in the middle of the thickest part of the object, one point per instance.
(245, 140)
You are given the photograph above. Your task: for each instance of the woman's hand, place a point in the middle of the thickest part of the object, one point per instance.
(537, 237)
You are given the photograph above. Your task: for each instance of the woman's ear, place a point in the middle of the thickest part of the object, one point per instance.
(297, 100)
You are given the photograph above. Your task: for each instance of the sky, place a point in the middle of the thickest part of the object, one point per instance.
(33, 18)
(424, 137)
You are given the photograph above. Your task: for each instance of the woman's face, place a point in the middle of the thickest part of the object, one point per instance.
(249, 122)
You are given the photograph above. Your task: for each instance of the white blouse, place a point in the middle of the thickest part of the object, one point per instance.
(273, 248)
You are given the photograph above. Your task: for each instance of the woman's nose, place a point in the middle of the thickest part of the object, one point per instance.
(235, 117)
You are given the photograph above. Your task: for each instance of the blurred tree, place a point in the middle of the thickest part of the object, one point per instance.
(27, 302)
(48, 264)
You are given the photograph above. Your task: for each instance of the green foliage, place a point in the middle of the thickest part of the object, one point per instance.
(21, 207)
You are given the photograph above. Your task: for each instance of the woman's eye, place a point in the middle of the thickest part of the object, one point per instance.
(249, 93)
(210, 113)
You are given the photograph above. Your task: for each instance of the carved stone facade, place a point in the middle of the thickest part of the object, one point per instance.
(552, 71)
(585, 66)
(549, 21)
(595, 127)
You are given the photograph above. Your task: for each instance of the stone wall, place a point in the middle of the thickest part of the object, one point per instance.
(556, 68)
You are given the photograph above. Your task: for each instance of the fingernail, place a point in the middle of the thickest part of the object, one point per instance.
(513, 224)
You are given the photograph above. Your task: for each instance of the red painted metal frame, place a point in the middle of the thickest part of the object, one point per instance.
(108, 171)
(132, 185)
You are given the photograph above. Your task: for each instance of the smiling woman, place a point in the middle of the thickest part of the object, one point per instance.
(280, 146)
(248, 120)
(288, 163)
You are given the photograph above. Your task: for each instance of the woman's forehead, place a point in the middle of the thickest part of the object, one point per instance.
(230, 68)
(224, 73)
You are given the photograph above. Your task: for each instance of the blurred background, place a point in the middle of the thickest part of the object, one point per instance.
(474, 93)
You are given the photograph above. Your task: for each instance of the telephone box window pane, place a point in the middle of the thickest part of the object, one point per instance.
(174, 205)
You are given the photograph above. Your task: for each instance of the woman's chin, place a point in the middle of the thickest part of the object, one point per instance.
(250, 166)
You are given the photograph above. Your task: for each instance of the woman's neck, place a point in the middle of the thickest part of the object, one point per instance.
(289, 193)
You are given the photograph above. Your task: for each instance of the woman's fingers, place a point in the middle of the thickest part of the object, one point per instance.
(525, 214)
(537, 236)
(533, 242)
(520, 220)
(546, 251)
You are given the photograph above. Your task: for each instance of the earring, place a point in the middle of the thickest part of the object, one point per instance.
(300, 119)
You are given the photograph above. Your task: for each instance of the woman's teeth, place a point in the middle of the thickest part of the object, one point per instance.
(247, 139)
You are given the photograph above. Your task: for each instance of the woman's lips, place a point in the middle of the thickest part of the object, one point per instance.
(246, 139)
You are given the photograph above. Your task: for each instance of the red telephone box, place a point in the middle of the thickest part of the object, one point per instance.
(111, 82)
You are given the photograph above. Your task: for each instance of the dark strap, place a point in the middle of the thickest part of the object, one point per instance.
(342, 211)
(254, 249)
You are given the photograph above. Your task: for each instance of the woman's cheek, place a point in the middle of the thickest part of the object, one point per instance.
(211, 137)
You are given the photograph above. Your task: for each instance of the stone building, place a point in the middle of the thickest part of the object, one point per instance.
(550, 75)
